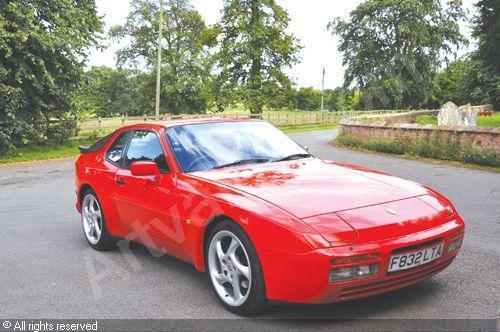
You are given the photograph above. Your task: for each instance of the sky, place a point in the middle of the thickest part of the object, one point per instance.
(309, 19)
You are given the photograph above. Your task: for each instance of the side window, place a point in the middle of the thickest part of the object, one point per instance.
(145, 146)
(115, 151)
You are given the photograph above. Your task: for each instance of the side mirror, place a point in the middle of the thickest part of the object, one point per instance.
(144, 168)
(305, 147)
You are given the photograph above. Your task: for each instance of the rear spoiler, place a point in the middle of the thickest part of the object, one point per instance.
(85, 149)
(89, 148)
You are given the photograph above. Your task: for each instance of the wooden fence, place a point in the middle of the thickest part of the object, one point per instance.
(97, 127)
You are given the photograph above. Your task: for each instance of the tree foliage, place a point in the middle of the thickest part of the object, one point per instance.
(484, 81)
(108, 92)
(393, 48)
(339, 99)
(42, 52)
(186, 62)
(254, 49)
(452, 84)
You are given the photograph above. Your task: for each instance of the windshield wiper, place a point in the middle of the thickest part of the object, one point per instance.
(294, 156)
(242, 162)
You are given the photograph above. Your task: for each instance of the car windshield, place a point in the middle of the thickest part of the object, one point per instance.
(204, 146)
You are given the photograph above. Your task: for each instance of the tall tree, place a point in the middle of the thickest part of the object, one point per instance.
(42, 51)
(452, 84)
(254, 50)
(486, 76)
(108, 92)
(393, 48)
(185, 65)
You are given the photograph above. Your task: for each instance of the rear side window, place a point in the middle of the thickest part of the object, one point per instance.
(145, 146)
(115, 151)
(100, 143)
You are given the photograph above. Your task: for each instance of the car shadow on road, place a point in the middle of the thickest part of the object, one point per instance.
(366, 308)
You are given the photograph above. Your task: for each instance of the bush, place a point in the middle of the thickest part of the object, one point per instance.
(61, 131)
(433, 146)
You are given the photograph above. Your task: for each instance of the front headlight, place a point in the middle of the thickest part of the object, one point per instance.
(353, 272)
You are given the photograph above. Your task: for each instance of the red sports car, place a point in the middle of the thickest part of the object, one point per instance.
(263, 217)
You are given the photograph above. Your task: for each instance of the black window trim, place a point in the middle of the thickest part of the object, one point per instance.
(125, 147)
(125, 150)
(172, 148)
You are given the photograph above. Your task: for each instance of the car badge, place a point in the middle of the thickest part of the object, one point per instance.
(392, 211)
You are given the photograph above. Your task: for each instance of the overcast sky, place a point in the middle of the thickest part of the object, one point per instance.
(308, 22)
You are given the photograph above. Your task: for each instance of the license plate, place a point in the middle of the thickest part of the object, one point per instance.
(412, 259)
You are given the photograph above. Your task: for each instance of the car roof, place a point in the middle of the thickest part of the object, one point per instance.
(162, 124)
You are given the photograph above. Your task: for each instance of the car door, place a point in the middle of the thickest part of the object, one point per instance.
(105, 179)
(147, 206)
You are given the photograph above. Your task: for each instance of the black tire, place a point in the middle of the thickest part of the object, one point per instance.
(256, 302)
(106, 241)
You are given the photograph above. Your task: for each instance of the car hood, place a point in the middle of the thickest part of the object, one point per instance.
(311, 187)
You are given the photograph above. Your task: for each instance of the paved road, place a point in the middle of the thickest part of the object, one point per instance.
(47, 269)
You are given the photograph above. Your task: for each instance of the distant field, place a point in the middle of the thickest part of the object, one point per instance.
(427, 119)
(484, 121)
(282, 118)
(99, 127)
(489, 121)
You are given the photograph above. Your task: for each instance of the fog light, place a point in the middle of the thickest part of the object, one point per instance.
(354, 272)
(455, 244)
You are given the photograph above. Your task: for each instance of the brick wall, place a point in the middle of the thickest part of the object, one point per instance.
(482, 137)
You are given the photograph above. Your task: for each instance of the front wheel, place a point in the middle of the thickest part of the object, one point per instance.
(234, 270)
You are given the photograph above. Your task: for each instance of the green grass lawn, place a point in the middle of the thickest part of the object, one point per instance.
(44, 152)
(426, 119)
(296, 129)
(484, 121)
(489, 121)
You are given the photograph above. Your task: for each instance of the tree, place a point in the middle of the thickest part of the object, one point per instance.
(186, 62)
(486, 77)
(254, 50)
(108, 92)
(42, 51)
(393, 48)
(452, 84)
(308, 99)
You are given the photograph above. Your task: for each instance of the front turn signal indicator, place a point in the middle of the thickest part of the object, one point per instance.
(354, 259)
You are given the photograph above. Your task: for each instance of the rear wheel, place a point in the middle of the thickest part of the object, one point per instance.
(94, 224)
(234, 270)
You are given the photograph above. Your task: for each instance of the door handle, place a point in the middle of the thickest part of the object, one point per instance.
(120, 181)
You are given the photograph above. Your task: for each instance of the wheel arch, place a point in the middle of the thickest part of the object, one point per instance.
(81, 191)
(207, 230)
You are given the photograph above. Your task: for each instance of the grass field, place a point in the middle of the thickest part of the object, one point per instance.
(44, 152)
(489, 121)
(427, 119)
(99, 127)
(484, 121)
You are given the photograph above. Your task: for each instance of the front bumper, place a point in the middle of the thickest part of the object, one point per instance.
(303, 278)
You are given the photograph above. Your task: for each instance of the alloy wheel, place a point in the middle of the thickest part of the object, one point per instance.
(92, 219)
(229, 268)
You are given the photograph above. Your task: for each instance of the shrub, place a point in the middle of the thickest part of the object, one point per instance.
(473, 155)
(60, 132)
(433, 146)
